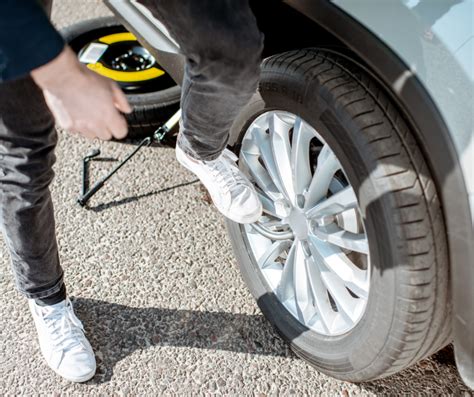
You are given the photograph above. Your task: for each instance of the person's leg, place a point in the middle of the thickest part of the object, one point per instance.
(222, 46)
(27, 142)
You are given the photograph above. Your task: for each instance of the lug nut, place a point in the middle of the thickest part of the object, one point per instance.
(305, 247)
(300, 201)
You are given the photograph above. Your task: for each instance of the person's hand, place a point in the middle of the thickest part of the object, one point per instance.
(81, 100)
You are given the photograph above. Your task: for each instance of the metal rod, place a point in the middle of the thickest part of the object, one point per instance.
(82, 200)
(272, 235)
(85, 176)
(157, 136)
(173, 120)
(85, 169)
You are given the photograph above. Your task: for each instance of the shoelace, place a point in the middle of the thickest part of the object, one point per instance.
(65, 328)
(226, 172)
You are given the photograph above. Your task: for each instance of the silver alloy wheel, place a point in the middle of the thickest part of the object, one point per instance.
(310, 245)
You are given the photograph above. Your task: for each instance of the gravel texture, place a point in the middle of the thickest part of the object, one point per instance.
(153, 278)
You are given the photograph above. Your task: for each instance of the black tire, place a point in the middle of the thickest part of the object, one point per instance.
(151, 109)
(408, 312)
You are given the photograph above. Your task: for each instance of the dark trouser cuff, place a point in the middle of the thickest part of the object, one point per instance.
(53, 299)
(43, 292)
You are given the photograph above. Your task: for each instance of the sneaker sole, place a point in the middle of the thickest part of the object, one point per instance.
(252, 218)
(79, 379)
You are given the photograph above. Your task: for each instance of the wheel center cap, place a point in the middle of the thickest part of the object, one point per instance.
(298, 223)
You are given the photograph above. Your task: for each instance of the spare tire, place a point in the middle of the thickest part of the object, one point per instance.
(153, 94)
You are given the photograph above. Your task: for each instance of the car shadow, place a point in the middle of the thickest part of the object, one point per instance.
(115, 331)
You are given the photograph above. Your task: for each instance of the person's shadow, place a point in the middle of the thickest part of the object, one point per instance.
(116, 331)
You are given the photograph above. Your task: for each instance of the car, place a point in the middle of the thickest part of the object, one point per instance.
(360, 144)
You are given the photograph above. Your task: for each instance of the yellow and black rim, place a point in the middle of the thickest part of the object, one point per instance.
(118, 55)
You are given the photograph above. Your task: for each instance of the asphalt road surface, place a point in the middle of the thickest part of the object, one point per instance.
(153, 278)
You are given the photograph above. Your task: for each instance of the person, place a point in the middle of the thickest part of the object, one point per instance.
(42, 82)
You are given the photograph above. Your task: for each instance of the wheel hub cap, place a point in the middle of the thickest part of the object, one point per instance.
(310, 244)
(298, 224)
(134, 59)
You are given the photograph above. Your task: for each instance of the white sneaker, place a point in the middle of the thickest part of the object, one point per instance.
(62, 341)
(230, 190)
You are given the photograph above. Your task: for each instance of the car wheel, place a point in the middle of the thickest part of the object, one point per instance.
(349, 261)
(152, 93)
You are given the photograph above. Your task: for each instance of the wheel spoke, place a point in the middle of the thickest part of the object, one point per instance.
(249, 162)
(350, 220)
(266, 154)
(342, 238)
(268, 205)
(337, 262)
(300, 167)
(327, 166)
(345, 303)
(285, 288)
(337, 203)
(321, 299)
(303, 295)
(281, 152)
(278, 208)
(273, 252)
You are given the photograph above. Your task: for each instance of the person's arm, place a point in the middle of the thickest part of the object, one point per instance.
(27, 38)
(79, 99)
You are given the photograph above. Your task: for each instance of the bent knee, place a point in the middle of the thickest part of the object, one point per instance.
(234, 60)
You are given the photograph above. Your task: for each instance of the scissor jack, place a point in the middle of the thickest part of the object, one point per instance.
(157, 137)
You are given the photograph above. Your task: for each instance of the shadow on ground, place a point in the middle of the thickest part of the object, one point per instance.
(131, 199)
(116, 331)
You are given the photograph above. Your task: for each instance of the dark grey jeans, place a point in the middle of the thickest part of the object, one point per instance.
(222, 45)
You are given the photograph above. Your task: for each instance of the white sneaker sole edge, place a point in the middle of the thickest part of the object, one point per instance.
(79, 379)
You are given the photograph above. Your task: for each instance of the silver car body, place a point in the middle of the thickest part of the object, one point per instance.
(444, 63)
